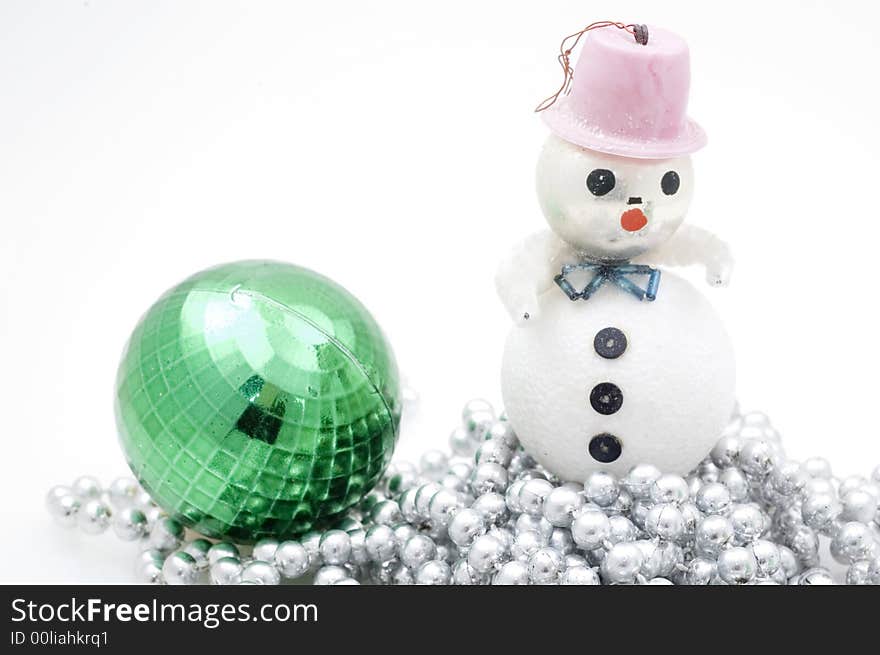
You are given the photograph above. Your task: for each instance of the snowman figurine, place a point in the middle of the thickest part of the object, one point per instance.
(612, 362)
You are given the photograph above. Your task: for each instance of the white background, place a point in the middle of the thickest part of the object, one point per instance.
(391, 146)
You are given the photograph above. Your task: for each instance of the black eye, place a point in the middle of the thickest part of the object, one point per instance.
(670, 183)
(600, 181)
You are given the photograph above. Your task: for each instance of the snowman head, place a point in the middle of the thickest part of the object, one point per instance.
(611, 208)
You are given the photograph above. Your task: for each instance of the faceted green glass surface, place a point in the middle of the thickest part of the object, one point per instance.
(257, 399)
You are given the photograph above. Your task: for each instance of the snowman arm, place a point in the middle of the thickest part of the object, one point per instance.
(527, 272)
(692, 245)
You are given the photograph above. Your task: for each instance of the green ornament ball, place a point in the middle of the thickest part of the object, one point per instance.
(257, 399)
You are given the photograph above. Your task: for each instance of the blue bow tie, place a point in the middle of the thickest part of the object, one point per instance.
(614, 273)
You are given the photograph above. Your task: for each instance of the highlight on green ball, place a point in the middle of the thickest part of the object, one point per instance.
(257, 399)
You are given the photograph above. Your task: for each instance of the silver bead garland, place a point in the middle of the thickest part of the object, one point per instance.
(489, 514)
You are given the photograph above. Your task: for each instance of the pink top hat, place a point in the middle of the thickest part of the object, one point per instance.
(629, 99)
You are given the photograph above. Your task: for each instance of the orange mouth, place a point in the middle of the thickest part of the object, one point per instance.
(633, 220)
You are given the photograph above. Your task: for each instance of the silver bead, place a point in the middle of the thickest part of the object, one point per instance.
(514, 572)
(815, 576)
(148, 566)
(788, 562)
(435, 572)
(736, 483)
(665, 521)
(401, 476)
(222, 549)
(590, 529)
(767, 557)
(464, 574)
(460, 442)
(820, 511)
(788, 479)
(93, 516)
(385, 512)
(545, 565)
(561, 504)
(691, 516)
(489, 477)
(858, 505)
(532, 496)
(714, 533)
(454, 483)
(477, 417)
(492, 507)
(198, 550)
(179, 569)
(502, 432)
(154, 514)
(166, 535)
(817, 467)
(525, 544)
(402, 532)
(129, 523)
(853, 542)
(86, 487)
(264, 550)
(639, 480)
(443, 505)
(402, 576)
(330, 575)
(670, 489)
(538, 524)
(726, 451)
(63, 505)
(292, 559)
(857, 573)
(561, 540)
(622, 530)
(851, 483)
(639, 512)
(511, 496)
(335, 547)
(381, 543)
(485, 553)
(748, 522)
(263, 573)
(434, 464)
(815, 486)
(805, 543)
(708, 472)
(579, 575)
(700, 571)
(123, 492)
(226, 571)
(622, 505)
(713, 498)
(466, 526)
(494, 452)
(423, 497)
(622, 563)
(346, 582)
(407, 503)
(601, 488)
(417, 550)
(757, 457)
(737, 566)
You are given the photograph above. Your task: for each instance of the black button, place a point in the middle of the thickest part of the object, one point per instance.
(606, 398)
(605, 448)
(610, 343)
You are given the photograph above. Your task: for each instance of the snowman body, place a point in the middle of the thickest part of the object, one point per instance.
(612, 371)
(611, 382)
